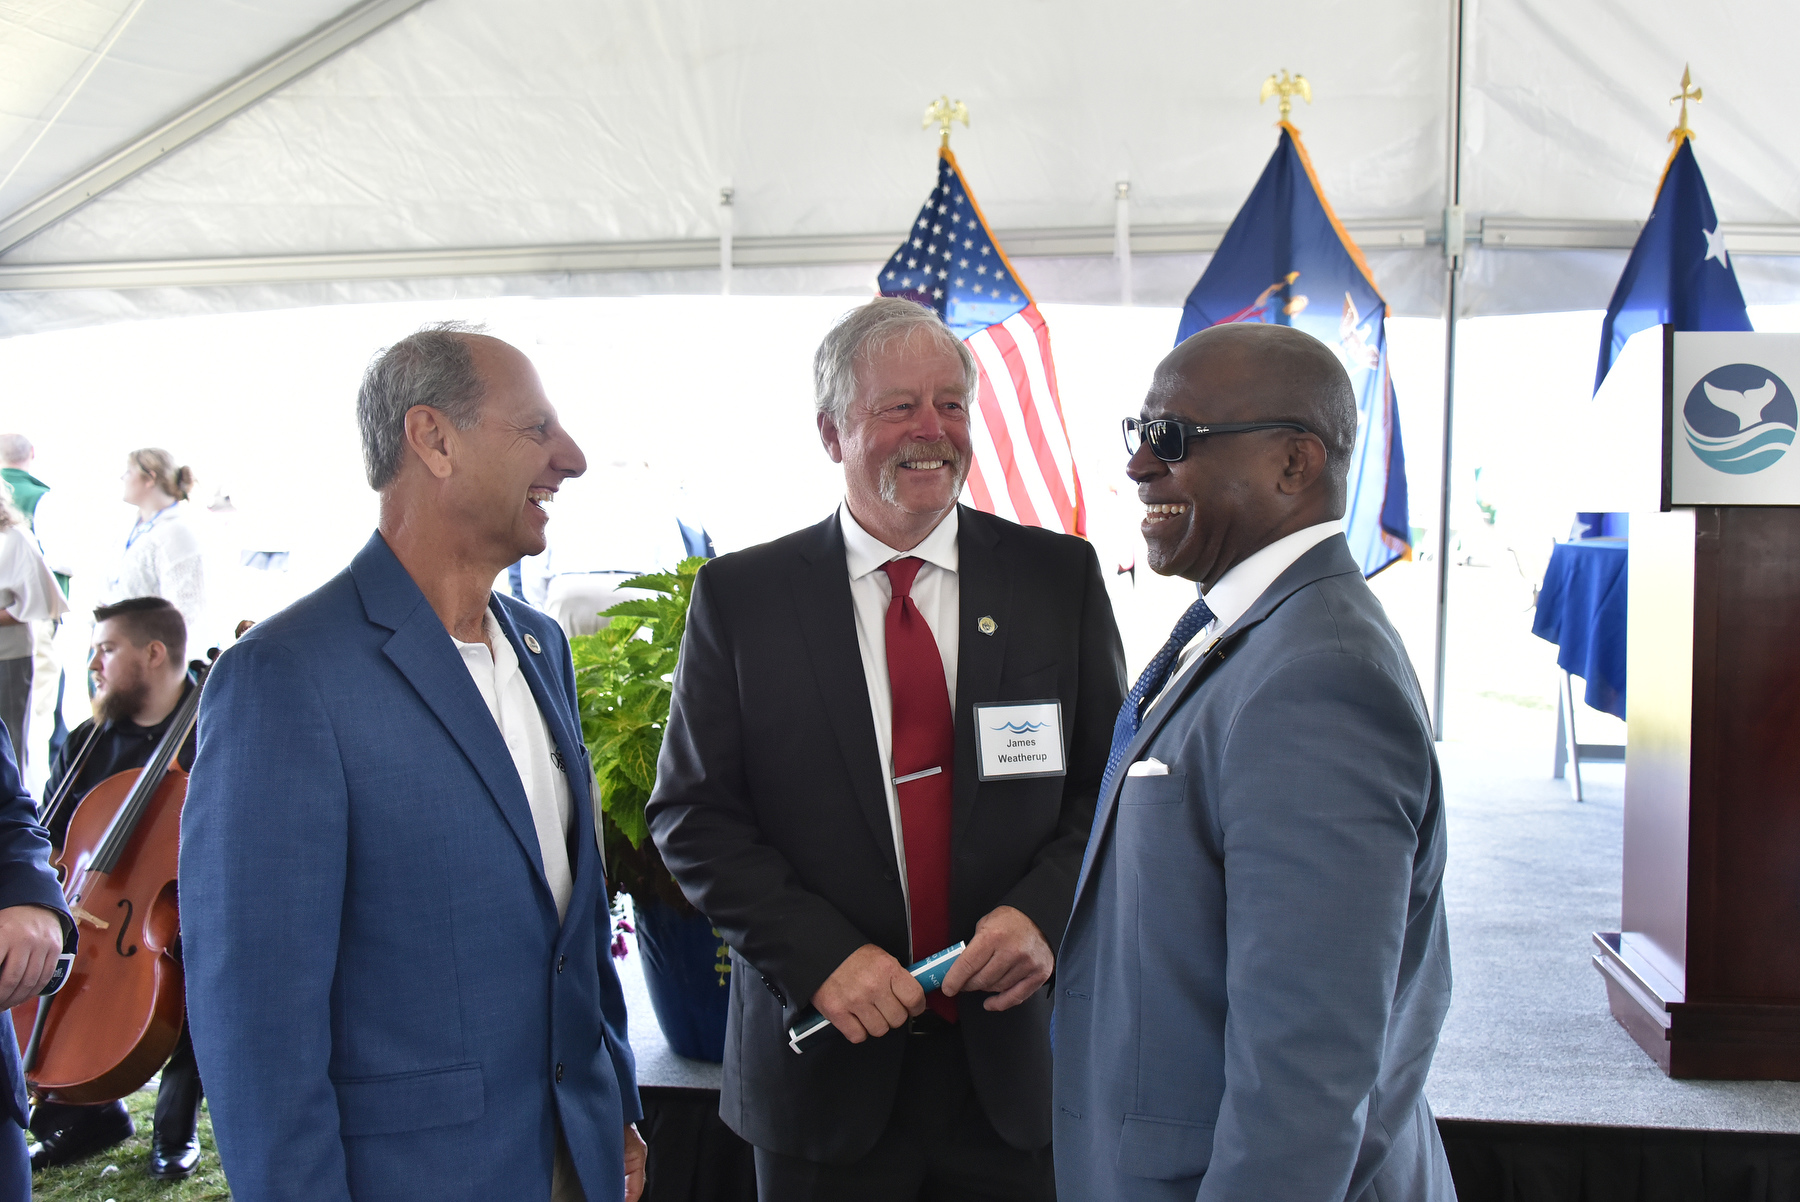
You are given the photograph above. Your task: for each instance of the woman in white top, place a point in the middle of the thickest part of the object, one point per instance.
(28, 594)
(162, 553)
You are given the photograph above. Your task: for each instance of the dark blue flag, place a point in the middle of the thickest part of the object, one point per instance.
(1679, 272)
(1288, 260)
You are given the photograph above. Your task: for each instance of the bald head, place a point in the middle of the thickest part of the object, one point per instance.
(1256, 372)
(1234, 491)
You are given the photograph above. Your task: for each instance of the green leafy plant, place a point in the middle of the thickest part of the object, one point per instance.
(624, 677)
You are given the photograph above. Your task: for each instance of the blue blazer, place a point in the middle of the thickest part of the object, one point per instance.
(26, 878)
(382, 1001)
(1253, 978)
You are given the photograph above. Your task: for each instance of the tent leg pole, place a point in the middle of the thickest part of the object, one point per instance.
(1454, 289)
(1454, 243)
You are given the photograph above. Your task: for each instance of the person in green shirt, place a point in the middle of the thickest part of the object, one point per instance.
(16, 454)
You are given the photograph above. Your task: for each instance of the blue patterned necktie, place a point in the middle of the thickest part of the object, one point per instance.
(1150, 683)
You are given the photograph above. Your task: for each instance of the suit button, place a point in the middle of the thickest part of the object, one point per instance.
(559, 1074)
(560, 961)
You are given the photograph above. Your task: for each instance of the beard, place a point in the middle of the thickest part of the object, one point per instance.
(941, 449)
(122, 698)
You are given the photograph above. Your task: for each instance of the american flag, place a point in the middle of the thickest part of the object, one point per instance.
(1024, 468)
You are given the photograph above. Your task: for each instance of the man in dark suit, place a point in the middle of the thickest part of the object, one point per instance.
(34, 928)
(831, 797)
(393, 907)
(1256, 968)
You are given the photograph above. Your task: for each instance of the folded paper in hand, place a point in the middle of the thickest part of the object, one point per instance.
(930, 973)
(1150, 767)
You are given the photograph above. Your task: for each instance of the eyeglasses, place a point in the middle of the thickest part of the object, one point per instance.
(1168, 438)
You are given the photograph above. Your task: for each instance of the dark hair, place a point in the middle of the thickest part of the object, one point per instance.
(147, 620)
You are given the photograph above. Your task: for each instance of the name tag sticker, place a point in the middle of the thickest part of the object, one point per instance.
(1019, 739)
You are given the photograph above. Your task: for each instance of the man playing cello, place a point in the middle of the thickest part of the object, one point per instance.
(140, 675)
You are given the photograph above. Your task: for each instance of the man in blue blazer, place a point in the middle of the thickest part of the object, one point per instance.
(34, 927)
(394, 910)
(1256, 969)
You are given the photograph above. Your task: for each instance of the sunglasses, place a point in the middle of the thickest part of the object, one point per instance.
(1168, 438)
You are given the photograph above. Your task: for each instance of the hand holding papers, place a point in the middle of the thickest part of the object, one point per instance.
(929, 972)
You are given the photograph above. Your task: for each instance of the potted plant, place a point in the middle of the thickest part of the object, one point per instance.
(624, 678)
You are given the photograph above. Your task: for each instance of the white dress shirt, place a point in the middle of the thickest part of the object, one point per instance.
(508, 695)
(938, 594)
(1238, 589)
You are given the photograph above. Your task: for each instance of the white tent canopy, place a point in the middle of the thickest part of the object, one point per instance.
(256, 153)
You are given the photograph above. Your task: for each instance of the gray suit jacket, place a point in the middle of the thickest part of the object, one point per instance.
(1253, 978)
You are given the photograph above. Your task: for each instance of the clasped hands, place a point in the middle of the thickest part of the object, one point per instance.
(871, 993)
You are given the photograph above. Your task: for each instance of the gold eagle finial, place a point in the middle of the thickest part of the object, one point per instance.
(1287, 87)
(944, 112)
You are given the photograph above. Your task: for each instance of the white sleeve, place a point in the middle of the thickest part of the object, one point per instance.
(181, 574)
(23, 573)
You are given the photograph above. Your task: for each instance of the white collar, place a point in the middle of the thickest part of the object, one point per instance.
(500, 652)
(866, 553)
(1238, 589)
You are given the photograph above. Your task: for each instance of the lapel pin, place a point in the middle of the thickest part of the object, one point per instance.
(987, 625)
(532, 645)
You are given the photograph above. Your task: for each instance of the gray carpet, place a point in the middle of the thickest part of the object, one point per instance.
(1529, 1039)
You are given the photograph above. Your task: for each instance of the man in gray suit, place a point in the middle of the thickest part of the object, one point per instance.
(1252, 982)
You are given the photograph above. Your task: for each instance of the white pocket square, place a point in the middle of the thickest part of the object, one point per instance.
(1150, 767)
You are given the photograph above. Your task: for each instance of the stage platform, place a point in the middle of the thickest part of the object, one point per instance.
(1539, 1093)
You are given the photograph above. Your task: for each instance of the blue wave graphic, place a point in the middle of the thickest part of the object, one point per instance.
(1745, 452)
(1022, 728)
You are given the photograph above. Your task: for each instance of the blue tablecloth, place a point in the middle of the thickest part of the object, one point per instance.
(1581, 608)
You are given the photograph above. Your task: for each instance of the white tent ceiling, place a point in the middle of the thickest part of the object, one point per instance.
(557, 147)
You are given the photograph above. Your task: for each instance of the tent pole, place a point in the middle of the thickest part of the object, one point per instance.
(1455, 234)
(725, 231)
(1122, 238)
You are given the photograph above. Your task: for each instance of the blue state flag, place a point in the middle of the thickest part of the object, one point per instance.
(1288, 260)
(1679, 273)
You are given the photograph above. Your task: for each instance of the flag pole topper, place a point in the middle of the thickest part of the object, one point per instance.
(944, 112)
(1287, 87)
(1688, 92)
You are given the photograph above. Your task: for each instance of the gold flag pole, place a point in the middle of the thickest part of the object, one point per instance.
(1287, 87)
(1688, 92)
(944, 112)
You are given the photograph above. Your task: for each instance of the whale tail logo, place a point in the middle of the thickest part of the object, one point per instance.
(1740, 419)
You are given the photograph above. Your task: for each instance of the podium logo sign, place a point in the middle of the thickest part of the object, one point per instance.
(1732, 418)
(1740, 418)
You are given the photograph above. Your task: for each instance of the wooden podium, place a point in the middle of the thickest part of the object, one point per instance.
(1704, 971)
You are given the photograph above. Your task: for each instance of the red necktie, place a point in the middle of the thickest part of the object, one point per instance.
(924, 736)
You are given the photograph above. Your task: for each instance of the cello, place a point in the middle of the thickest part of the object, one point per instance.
(117, 1018)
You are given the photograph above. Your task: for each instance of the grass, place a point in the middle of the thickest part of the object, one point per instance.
(118, 1174)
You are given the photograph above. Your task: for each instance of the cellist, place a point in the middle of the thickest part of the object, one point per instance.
(140, 675)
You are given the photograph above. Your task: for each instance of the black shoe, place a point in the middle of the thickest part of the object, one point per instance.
(174, 1160)
(101, 1128)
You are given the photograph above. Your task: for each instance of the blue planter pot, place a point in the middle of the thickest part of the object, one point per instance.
(687, 990)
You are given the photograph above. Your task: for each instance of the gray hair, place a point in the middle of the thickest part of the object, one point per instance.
(869, 330)
(431, 367)
(15, 449)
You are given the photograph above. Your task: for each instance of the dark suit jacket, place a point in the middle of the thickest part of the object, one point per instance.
(770, 811)
(26, 878)
(383, 1002)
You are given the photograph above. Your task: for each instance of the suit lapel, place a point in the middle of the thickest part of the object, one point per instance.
(1329, 558)
(828, 627)
(985, 590)
(422, 651)
(564, 726)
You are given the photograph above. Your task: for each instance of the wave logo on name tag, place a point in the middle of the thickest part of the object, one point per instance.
(1023, 728)
(1740, 419)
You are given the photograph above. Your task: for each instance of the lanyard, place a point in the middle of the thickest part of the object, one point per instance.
(141, 527)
